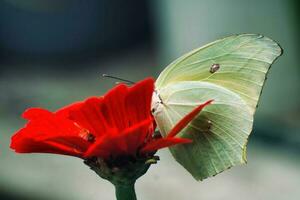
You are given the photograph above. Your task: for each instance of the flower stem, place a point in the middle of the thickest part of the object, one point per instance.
(125, 192)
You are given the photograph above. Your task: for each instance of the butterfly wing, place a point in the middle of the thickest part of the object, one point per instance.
(231, 71)
(243, 61)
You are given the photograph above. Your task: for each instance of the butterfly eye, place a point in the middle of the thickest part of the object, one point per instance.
(214, 68)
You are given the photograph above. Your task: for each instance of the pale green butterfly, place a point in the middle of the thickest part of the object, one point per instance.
(232, 72)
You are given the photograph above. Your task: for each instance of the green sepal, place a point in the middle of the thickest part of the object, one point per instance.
(122, 172)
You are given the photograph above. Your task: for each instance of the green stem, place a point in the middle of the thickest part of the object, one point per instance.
(125, 192)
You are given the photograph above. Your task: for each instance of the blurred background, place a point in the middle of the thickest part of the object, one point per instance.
(53, 52)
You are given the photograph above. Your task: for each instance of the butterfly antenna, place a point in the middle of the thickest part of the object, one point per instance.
(118, 78)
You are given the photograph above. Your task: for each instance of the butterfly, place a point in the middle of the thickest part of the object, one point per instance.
(232, 72)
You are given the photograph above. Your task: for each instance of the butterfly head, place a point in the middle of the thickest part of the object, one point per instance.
(156, 105)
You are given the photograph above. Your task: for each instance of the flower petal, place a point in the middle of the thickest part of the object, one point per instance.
(121, 108)
(88, 115)
(114, 109)
(30, 145)
(126, 143)
(138, 101)
(124, 107)
(56, 134)
(103, 147)
(35, 113)
(65, 111)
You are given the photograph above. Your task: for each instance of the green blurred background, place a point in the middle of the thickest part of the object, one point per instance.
(53, 52)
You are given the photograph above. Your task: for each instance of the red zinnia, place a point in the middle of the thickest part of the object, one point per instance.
(119, 123)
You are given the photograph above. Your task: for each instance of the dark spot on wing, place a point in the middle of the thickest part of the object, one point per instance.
(214, 68)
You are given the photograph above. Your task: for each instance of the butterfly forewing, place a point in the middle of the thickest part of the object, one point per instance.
(243, 62)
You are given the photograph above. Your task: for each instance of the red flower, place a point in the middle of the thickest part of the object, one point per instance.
(119, 123)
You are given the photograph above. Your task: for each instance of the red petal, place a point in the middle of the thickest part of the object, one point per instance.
(35, 113)
(162, 143)
(30, 145)
(125, 143)
(124, 107)
(65, 111)
(138, 101)
(120, 108)
(54, 133)
(103, 147)
(88, 115)
(135, 136)
(114, 109)
(78, 144)
(187, 119)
